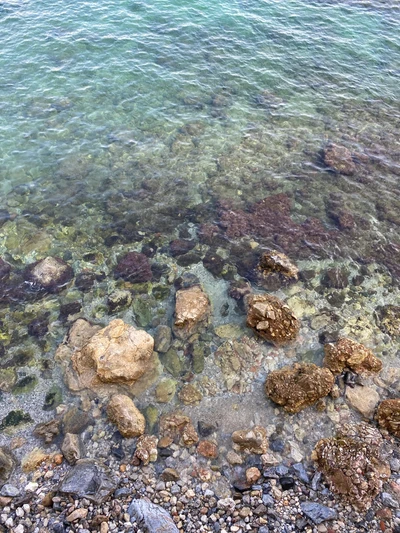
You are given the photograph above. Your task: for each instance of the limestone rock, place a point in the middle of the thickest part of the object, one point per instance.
(298, 386)
(274, 261)
(346, 353)
(151, 517)
(6, 465)
(72, 448)
(353, 463)
(339, 159)
(192, 310)
(123, 413)
(388, 416)
(254, 440)
(50, 274)
(87, 480)
(364, 399)
(146, 449)
(271, 319)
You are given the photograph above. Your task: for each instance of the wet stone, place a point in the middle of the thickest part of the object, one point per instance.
(118, 300)
(134, 267)
(69, 310)
(318, 513)
(388, 416)
(165, 390)
(9, 490)
(7, 464)
(50, 274)
(15, 418)
(84, 281)
(39, 326)
(275, 261)
(335, 278)
(76, 421)
(87, 480)
(388, 319)
(339, 159)
(181, 246)
(151, 517)
(162, 338)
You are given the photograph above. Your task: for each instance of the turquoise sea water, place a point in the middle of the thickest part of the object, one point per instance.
(125, 125)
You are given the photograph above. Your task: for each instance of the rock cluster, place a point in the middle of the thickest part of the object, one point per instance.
(353, 464)
(346, 353)
(271, 319)
(298, 386)
(388, 416)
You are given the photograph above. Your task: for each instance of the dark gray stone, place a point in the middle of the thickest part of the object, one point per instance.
(87, 480)
(389, 501)
(301, 472)
(268, 500)
(318, 513)
(151, 517)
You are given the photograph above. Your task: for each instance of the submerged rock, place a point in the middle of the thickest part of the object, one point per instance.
(388, 416)
(363, 399)
(192, 310)
(87, 480)
(134, 267)
(7, 464)
(271, 319)
(146, 449)
(178, 428)
(298, 386)
(253, 440)
(124, 414)
(47, 431)
(346, 353)
(339, 159)
(50, 274)
(72, 448)
(150, 517)
(190, 395)
(278, 262)
(318, 513)
(5, 269)
(388, 318)
(353, 463)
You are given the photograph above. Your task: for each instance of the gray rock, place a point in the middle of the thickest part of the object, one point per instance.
(9, 491)
(87, 480)
(152, 518)
(268, 500)
(389, 501)
(162, 339)
(301, 472)
(6, 464)
(318, 513)
(315, 480)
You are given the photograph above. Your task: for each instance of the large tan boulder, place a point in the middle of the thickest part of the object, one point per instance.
(124, 414)
(298, 386)
(192, 310)
(271, 319)
(346, 353)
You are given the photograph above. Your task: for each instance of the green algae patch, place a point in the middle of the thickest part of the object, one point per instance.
(15, 418)
(25, 385)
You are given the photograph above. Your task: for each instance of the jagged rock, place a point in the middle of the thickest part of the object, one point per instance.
(72, 448)
(339, 159)
(318, 513)
(47, 430)
(192, 310)
(178, 428)
(87, 480)
(7, 464)
(271, 319)
(298, 386)
(50, 274)
(346, 353)
(146, 449)
(254, 440)
(364, 399)
(134, 267)
(388, 416)
(80, 333)
(75, 420)
(123, 413)
(275, 261)
(388, 318)
(118, 300)
(162, 339)
(353, 463)
(190, 395)
(151, 518)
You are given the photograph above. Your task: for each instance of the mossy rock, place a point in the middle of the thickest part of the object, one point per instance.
(142, 308)
(161, 292)
(15, 418)
(8, 377)
(198, 355)
(172, 362)
(151, 415)
(165, 390)
(24, 385)
(53, 398)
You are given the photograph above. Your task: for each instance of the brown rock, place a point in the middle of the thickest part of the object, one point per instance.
(274, 261)
(146, 449)
(388, 416)
(47, 430)
(271, 319)
(364, 399)
(208, 449)
(80, 333)
(252, 475)
(134, 267)
(192, 310)
(122, 412)
(72, 448)
(179, 428)
(253, 440)
(353, 464)
(78, 514)
(339, 159)
(298, 386)
(170, 474)
(346, 353)
(190, 395)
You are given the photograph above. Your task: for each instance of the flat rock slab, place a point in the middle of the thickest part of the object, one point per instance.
(152, 518)
(318, 513)
(87, 480)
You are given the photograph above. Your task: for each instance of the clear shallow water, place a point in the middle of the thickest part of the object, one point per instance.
(124, 124)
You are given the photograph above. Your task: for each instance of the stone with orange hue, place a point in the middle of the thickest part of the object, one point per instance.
(388, 416)
(192, 310)
(271, 319)
(124, 414)
(346, 353)
(252, 475)
(208, 449)
(253, 440)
